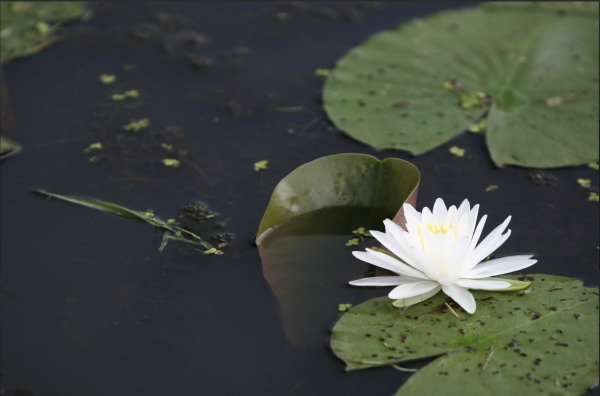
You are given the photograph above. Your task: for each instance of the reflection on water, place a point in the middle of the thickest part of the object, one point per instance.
(308, 267)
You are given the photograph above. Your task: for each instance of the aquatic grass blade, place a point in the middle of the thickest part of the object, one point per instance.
(172, 231)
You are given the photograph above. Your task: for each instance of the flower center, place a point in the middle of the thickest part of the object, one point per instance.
(440, 228)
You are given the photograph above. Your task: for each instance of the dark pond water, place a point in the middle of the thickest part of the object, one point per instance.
(90, 307)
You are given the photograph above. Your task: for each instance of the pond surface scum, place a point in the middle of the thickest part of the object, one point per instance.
(90, 306)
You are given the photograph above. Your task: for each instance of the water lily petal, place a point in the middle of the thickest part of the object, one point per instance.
(500, 266)
(458, 256)
(464, 208)
(452, 219)
(437, 248)
(394, 230)
(411, 214)
(397, 247)
(380, 281)
(480, 284)
(387, 262)
(486, 249)
(426, 216)
(412, 289)
(440, 213)
(462, 296)
(492, 242)
(472, 221)
(478, 231)
(407, 302)
(426, 264)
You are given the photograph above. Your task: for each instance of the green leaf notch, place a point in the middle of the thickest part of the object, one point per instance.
(541, 341)
(309, 218)
(537, 62)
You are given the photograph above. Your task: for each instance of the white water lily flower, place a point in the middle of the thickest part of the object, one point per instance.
(440, 251)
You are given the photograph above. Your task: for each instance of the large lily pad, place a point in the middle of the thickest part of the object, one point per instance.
(540, 341)
(303, 232)
(538, 64)
(25, 28)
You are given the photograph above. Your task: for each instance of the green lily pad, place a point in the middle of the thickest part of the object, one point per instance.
(341, 180)
(534, 67)
(543, 340)
(304, 231)
(24, 25)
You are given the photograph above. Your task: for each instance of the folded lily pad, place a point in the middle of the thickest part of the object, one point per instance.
(341, 180)
(533, 67)
(540, 341)
(309, 218)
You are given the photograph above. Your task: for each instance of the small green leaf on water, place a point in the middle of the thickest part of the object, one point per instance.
(585, 183)
(94, 158)
(42, 27)
(457, 151)
(147, 213)
(210, 251)
(593, 197)
(281, 16)
(472, 99)
(593, 165)
(479, 127)
(449, 85)
(93, 146)
(322, 72)
(352, 242)
(344, 307)
(171, 162)
(107, 78)
(167, 146)
(362, 231)
(135, 126)
(260, 165)
(491, 187)
(132, 93)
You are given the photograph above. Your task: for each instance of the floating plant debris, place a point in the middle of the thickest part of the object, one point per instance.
(172, 231)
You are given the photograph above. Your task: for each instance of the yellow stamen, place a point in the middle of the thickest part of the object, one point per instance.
(438, 228)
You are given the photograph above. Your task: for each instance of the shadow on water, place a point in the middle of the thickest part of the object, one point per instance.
(88, 304)
(308, 266)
